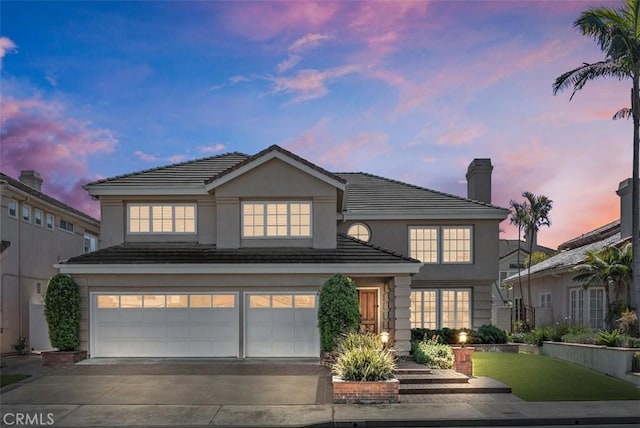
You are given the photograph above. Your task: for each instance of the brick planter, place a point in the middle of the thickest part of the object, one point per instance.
(347, 392)
(463, 362)
(62, 358)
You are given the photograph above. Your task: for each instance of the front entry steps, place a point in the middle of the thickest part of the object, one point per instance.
(415, 380)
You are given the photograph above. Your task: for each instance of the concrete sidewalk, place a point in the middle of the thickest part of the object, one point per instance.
(145, 393)
(425, 415)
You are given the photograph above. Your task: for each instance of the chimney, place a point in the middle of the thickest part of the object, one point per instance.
(624, 191)
(32, 179)
(479, 180)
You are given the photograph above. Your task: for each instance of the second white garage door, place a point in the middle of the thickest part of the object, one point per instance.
(281, 325)
(165, 325)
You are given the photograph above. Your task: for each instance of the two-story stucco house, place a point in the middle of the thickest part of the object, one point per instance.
(225, 256)
(37, 232)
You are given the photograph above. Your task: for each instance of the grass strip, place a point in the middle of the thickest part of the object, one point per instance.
(11, 378)
(541, 378)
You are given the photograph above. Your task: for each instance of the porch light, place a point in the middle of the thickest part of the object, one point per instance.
(462, 338)
(384, 338)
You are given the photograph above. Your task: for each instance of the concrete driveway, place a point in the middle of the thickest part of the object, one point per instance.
(166, 392)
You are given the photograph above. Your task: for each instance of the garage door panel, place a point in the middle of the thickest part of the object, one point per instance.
(153, 315)
(165, 331)
(278, 328)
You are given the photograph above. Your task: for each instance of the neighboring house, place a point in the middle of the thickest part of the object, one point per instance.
(225, 256)
(556, 296)
(37, 232)
(512, 259)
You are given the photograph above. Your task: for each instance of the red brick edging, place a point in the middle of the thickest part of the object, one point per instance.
(62, 358)
(385, 391)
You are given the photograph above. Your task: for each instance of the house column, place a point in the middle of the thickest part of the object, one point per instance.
(402, 313)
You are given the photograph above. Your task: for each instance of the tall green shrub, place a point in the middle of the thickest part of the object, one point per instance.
(338, 311)
(62, 311)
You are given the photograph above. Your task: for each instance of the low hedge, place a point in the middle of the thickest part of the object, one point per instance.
(433, 354)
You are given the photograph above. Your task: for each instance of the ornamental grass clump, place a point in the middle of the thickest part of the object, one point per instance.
(362, 364)
(434, 355)
(354, 340)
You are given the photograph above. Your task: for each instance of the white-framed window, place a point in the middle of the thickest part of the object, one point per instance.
(359, 231)
(161, 218)
(423, 243)
(26, 213)
(276, 219)
(90, 243)
(441, 244)
(38, 217)
(12, 208)
(66, 225)
(440, 308)
(456, 244)
(587, 306)
(545, 300)
(51, 220)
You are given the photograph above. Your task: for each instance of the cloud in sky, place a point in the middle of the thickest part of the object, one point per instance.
(310, 84)
(308, 41)
(150, 158)
(38, 135)
(215, 148)
(6, 45)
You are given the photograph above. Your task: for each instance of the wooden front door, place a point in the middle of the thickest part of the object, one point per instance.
(368, 300)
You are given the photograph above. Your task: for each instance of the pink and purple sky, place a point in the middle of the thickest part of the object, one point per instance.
(411, 90)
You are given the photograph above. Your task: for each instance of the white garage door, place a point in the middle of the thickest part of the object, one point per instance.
(164, 325)
(281, 325)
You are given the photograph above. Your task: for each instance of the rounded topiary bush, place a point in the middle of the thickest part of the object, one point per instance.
(338, 310)
(62, 311)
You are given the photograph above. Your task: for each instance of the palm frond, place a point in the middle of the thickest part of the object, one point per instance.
(578, 77)
(623, 113)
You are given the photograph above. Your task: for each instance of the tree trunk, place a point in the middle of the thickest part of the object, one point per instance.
(532, 235)
(520, 274)
(635, 200)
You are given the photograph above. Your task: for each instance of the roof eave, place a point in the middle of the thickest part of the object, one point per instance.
(401, 268)
(425, 215)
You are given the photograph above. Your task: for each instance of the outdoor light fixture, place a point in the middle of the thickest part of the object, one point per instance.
(384, 338)
(462, 338)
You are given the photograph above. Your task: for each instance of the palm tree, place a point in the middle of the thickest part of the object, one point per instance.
(617, 32)
(610, 268)
(518, 218)
(536, 216)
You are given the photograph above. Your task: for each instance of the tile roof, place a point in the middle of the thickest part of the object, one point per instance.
(593, 236)
(195, 171)
(372, 193)
(349, 250)
(44, 197)
(508, 246)
(565, 260)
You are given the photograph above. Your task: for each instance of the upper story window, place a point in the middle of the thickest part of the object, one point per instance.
(12, 208)
(90, 243)
(162, 218)
(276, 219)
(359, 231)
(38, 216)
(66, 225)
(50, 221)
(26, 212)
(441, 244)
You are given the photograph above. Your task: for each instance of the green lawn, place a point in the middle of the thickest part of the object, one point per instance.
(540, 378)
(8, 379)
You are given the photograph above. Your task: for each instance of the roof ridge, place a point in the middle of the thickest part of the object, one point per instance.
(157, 168)
(379, 248)
(415, 186)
